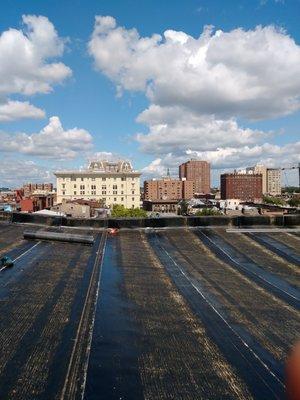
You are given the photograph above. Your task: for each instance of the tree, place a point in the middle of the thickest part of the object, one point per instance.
(119, 211)
(291, 189)
(273, 200)
(294, 202)
(207, 211)
(183, 207)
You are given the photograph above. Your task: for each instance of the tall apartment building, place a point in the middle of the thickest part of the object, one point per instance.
(197, 171)
(168, 189)
(274, 181)
(110, 182)
(271, 179)
(260, 169)
(242, 186)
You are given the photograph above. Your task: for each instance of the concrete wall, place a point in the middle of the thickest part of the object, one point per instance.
(230, 221)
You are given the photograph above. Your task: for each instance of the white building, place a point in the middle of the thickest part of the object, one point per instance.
(112, 182)
(271, 179)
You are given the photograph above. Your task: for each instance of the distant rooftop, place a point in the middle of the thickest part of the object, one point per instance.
(109, 166)
(104, 166)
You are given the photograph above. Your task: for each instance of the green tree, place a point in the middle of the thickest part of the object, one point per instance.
(183, 207)
(273, 200)
(119, 211)
(207, 211)
(294, 202)
(291, 189)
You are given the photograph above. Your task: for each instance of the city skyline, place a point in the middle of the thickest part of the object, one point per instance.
(157, 88)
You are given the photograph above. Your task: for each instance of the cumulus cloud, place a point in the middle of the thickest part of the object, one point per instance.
(14, 172)
(254, 73)
(106, 155)
(28, 65)
(52, 142)
(25, 54)
(229, 157)
(199, 88)
(172, 129)
(13, 110)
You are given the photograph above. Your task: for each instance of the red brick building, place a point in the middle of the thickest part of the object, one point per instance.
(29, 188)
(37, 202)
(168, 189)
(245, 187)
(197, 171)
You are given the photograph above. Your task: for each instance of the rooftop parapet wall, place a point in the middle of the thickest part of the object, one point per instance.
(230, 221)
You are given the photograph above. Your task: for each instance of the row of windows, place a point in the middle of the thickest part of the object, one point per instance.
(115, 198)
(93, 179)
(93, 191)
(93, 187)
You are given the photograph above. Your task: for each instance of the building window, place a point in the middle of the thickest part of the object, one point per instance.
(122, 191)
(93, 192)
(123, 179)
(63, 186)
(74, 186)
(63, 193)
(115, 199)
(81, 179)
(132, 192)
(115, 187)
(82, 187)
(122, 198)
(132, 198)
(73, 179)
(103, 191)
(115, 192)
(104, 179)
(75, 192)
(82, 192)
(93, 187)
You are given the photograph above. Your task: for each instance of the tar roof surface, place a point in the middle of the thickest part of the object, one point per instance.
(190, 314)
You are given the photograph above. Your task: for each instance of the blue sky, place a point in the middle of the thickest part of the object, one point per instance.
(87, 100)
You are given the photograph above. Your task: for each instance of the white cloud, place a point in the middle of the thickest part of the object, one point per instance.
(254, 73)
(198, 88)
(173, 129)
(106, 155)
(28, 65)
(229, 157)
(15, 173)
(53, 142)
(24, 58)
(13, 110)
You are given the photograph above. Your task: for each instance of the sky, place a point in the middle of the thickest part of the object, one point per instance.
(155, 82)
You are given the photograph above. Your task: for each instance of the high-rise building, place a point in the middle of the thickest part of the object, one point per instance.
(110, 182)
(260, 169)
(274, 181)
(168, 189)
(242, 186)
(271, 179)
(197, 171)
